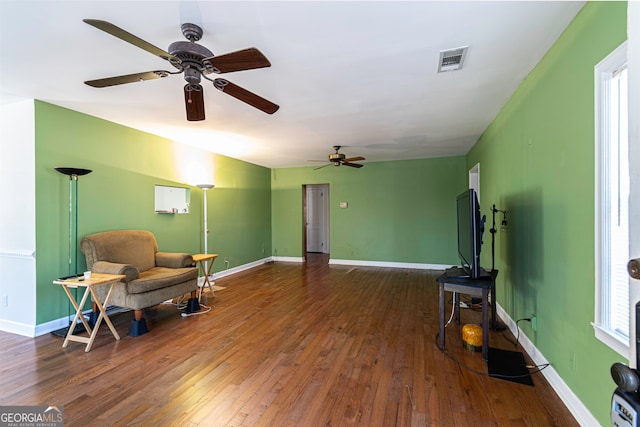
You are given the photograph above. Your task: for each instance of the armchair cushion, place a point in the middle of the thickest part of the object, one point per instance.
(160, 277)
(107, 267)
(173, 260)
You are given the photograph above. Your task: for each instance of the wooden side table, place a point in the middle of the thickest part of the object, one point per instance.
(96, 279)
(202, 263)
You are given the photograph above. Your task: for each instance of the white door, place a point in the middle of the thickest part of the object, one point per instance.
(317, 220)
(633, 66)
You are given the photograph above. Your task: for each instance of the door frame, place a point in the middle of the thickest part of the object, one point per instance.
(304, 222)
(633, 67)
(327, 222)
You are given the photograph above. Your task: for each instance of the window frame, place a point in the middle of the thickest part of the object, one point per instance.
(603, 73)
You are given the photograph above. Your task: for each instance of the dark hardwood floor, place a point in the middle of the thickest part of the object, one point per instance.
(284, 344)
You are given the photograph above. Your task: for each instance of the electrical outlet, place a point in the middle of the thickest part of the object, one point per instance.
(534, 323)
(5, 300)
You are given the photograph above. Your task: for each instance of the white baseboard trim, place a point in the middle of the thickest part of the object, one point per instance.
(287, 259)
(568, 397)
(33, 331)
(361, 263)
(17, 328)
(238, 269)
(53, 325)
(63, 322)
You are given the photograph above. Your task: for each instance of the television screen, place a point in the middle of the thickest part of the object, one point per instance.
(469, 232)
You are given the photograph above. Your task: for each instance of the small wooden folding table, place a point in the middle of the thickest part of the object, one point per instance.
(96, 279)
(202, 261)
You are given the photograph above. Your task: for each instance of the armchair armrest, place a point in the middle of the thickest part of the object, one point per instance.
(107, 267)
(173, 260)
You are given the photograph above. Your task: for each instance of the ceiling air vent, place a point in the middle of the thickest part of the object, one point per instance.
(452, 59)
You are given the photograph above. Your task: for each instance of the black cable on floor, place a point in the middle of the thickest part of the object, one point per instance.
(538, 368)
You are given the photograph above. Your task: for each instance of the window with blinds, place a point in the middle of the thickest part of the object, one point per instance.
(612, 202)
(619, 203)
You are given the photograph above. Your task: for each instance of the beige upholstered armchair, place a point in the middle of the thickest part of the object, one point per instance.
(151, 276)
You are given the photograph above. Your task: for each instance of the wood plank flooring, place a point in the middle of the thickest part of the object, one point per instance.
(284, 344)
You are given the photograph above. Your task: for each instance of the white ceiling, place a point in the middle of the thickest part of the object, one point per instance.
(358, 74)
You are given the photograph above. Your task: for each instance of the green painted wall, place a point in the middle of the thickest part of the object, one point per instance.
(119, 194)
(537, 162)
(399, 211)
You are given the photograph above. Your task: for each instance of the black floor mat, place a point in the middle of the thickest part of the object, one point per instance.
(64, 331)
(508, 365)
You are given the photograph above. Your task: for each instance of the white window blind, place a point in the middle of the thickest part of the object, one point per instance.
(619, 203)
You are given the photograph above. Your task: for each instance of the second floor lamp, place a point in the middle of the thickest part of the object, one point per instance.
(205, 188)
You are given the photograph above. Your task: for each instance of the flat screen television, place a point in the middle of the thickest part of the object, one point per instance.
(470, 228)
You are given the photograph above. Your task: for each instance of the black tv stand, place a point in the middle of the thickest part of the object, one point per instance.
(460, 273)
(456, 280)
(456, 272)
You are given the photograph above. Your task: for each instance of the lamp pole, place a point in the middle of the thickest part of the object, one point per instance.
(73, 174)
(205, 188)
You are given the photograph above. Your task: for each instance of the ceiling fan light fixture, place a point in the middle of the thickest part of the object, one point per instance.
(336, 157)
(452, 59)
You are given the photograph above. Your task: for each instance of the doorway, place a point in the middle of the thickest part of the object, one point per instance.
(316, 218)
(474, 179)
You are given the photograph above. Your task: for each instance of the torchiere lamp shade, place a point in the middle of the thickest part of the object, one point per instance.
(73, 171)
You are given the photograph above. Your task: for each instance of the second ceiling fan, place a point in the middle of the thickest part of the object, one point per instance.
(338, 159)
(196, 62)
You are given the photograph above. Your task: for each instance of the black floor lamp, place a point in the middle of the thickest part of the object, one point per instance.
(73, 174)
